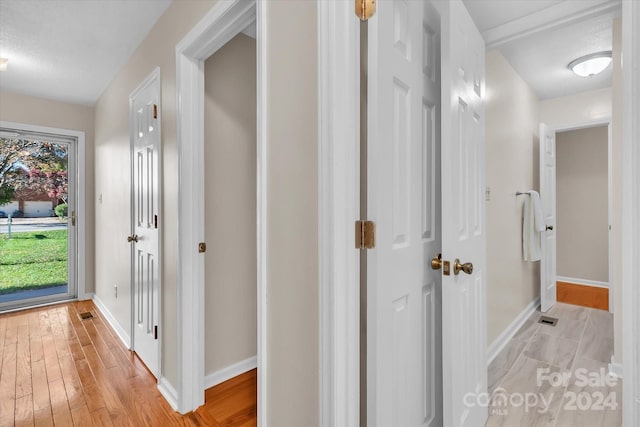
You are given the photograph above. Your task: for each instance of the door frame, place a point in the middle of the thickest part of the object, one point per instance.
(631, 211)
(338, 209)
(81, 217)
(152, 79)
(603, 121)
(224, 21)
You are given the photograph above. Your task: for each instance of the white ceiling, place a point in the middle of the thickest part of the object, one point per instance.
(540, 37)
(70, 50)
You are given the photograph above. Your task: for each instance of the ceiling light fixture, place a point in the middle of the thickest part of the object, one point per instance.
(3, 64)
(590, 65)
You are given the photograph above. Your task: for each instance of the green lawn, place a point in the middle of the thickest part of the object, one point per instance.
(33, 260)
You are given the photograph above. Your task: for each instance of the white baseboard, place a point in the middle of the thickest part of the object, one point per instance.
(496, 346)
(120, 332)
(615, 368)
(168, 392)
(229, 372)
(584, 282)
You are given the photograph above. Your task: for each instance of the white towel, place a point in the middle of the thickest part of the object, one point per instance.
(532, 225)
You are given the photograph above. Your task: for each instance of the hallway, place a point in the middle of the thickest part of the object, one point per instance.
(56, 369)
(556, 375)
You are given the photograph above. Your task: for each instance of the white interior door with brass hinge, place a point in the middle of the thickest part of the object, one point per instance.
(463, 219)
(548, 295)
(404, 375)
(145, 238)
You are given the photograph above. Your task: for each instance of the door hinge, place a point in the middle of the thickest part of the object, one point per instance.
(365, 234)
(155, 221)
(365, 9)
(155, 111)
(155, 332)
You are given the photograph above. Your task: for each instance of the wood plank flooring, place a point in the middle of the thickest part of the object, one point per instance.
(582, 295)
(58, 370)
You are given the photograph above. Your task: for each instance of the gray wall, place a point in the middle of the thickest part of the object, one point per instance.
(582, 204)
(230, 204)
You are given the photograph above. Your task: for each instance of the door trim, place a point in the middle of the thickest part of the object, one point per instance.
(631, 211)
(223, 22)
(338, 209)
(81, 235)
(153, 79)
(603, 121)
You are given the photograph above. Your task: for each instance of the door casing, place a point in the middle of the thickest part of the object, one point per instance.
(80, 191)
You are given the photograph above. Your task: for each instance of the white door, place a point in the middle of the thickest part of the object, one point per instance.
(548, 196)
(463, 218)
(403, 293)
(145, 238)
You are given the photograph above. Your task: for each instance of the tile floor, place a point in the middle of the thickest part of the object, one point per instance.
(555, 376)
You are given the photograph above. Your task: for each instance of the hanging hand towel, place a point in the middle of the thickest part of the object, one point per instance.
(533, 224)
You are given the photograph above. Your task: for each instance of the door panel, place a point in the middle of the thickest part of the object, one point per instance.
(403, 179)
(463, 295)
(548, 295)
(145, 107)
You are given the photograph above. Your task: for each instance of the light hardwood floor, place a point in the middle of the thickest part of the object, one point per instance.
(59, 370)
(550, 365)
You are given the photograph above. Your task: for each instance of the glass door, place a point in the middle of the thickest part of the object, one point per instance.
(37, 218)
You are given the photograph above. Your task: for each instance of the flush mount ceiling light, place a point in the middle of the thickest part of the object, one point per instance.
(590, 65)
(3, 64)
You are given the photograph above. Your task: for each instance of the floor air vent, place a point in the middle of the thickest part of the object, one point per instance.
(549, 321)
(86, 315)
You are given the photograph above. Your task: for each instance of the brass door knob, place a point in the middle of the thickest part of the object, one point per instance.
(467, 267)
(436, 263)
(133, 238)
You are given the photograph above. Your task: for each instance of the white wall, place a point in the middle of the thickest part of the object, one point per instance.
(512, 165)
(230, 204)
(45, 112)
(577, 109)
(582, 214)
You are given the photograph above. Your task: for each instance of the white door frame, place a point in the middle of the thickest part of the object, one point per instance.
(224, 21)
(631, 212)
(338, 209)
(151, 79)
(81, 235)
(603, 121)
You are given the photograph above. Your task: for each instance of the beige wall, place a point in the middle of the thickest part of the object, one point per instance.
(616, 171)
(512, 165)
(582, 214)
(577, 109)
(230, 204)
(44, 112)
(113, 182)
(292, 158)
(292, 214)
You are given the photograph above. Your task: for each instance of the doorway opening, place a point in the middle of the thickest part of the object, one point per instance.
(584, 196)
(39, 215)
(223, 23)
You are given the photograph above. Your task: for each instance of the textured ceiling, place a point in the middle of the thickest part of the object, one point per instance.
(540, 37)
(70, 50)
